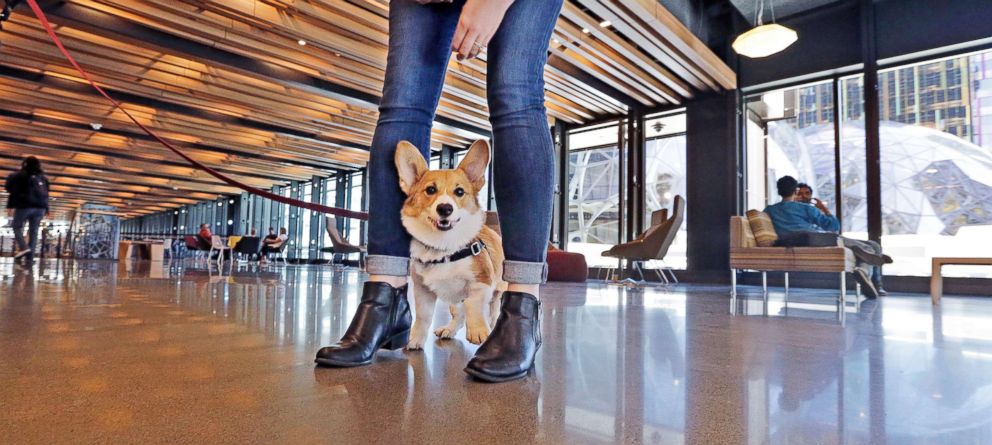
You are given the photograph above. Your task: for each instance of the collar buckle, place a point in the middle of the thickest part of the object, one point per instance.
(476, 248)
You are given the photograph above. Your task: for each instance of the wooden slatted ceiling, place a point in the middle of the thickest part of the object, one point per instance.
(265, 128)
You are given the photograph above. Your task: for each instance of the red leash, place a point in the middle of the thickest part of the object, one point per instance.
(255, 191)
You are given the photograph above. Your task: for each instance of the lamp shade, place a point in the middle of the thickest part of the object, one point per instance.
(764, 40)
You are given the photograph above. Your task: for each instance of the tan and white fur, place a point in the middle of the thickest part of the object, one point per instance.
(443, 215)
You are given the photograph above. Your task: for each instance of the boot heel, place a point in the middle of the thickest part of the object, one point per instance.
(397, 341)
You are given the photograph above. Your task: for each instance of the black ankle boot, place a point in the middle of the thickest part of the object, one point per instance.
(508, 353)
(382, 321)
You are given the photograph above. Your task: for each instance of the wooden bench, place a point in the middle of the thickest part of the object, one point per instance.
(937, 280)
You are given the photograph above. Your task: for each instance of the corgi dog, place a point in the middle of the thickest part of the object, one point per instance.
(454, 256)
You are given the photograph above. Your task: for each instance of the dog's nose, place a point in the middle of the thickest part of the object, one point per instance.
(445, 210)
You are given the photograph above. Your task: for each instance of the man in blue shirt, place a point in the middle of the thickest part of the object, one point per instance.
(791, 217)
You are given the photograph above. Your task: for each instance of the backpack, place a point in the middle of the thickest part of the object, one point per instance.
(36, 194)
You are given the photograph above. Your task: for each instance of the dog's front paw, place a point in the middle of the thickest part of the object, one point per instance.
(417, 339)
(477, 335)
(445, 332)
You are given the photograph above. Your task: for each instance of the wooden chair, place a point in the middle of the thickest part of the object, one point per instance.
(339, 245)
(654, 243)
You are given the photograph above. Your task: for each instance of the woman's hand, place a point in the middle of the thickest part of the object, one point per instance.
(479, 21)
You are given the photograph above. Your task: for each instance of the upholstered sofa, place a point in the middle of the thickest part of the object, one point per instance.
(746, 254)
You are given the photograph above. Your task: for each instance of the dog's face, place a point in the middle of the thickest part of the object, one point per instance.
(442, 206)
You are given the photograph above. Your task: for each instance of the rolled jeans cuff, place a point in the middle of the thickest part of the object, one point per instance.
(523, 272)
(396, 266)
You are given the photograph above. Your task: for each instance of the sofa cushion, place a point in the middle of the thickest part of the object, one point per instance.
(740, 232)
(764, 230)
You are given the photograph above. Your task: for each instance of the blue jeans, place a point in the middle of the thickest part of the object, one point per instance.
(523, 153)
(33, 217)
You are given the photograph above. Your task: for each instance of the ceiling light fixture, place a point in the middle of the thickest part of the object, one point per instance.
(605, 23)
(302, 42)
(764, 40)
(585, 31)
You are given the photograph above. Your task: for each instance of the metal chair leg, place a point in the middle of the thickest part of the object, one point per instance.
(843, 297)
(733, 283)
(786, 286)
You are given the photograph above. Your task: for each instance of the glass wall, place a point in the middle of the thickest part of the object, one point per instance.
(936, 137)
(357, 203)
(793, 132)
(594, 192)
(665, 175)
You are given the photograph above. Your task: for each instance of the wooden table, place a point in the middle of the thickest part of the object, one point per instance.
(143, 250)
(937, 280)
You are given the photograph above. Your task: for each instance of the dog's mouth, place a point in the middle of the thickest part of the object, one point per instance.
(443, 224)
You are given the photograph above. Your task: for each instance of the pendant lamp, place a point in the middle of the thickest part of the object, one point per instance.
(764, 40)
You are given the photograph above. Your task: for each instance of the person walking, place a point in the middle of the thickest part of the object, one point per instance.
(514, 34)
(27, 203)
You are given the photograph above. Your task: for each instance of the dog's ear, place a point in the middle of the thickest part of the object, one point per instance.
(410, 164)
(475, 163)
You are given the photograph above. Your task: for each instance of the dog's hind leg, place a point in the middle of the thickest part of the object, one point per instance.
(457, 321)
(494, 305)
(425, 301)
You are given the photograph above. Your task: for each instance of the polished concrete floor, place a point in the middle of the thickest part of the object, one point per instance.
(96, 352)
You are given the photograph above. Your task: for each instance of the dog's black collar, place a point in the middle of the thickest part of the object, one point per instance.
(470, 250)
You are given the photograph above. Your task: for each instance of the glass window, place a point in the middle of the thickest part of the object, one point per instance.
(665, 177)
(794, 136)
(354, 225)
(853, 180)
(594, 193)
(936, 163)
(303, 244)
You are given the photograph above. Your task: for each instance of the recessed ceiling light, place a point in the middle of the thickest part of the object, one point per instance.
(585, 30)
(605, 23)
(96, 126)
(302, 42)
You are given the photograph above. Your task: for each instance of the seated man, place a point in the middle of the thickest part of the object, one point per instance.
(273, 243)
(804, 193)
(204, 236)
(791, 217)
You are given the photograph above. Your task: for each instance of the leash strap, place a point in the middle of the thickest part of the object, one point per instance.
(346, 213)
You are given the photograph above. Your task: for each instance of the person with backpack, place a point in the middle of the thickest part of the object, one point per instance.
(27, 203)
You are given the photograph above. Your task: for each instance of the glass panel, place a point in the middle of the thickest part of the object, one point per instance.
(305, 241)
(852, 148)
(354, 225)
(594, 194)
(665, 178)
(936, 164)
(795, 137)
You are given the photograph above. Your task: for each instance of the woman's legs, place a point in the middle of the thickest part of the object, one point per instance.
(523, 175)
(419, 50)
(523, 153)
(419, 40)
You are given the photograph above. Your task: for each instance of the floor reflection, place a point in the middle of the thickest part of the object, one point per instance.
(182, 351)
